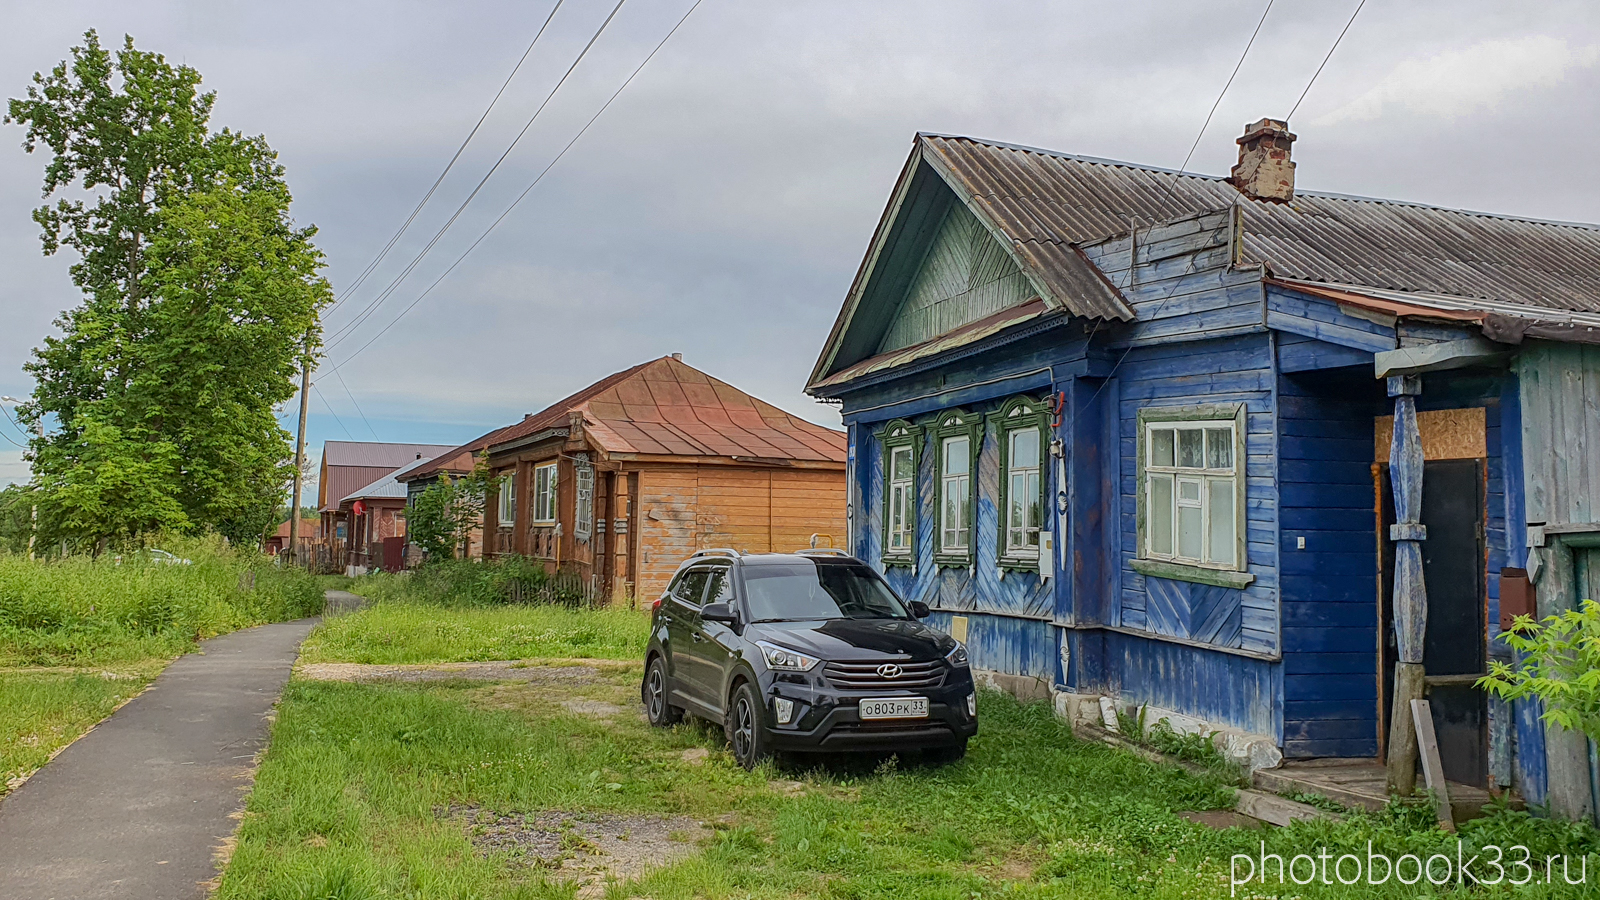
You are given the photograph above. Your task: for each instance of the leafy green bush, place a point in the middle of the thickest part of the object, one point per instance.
(467, 582)
(1561, 667)
(78, 609)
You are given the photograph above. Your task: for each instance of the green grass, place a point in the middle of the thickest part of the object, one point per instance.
(43, 711)
(396, 632)
(349, 801)
(86, 612)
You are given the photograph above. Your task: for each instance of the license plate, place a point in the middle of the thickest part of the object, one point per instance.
(895, 708)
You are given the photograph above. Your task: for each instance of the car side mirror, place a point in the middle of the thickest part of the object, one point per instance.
(719, 612)
(919, 609)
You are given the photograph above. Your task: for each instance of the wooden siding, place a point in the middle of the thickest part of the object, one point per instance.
(981, 587)
(681, 509)
(1330, 588)
(965, 276)
(1006, 643)
(1217, 372)
(1219, 687)
(1561, 431)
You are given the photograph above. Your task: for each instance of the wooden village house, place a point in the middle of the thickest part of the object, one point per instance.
(1266, 461)
(450, 464)
(375, 523)
(349, 467)
(617, 484)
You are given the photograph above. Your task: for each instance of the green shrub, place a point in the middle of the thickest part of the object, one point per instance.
(78, 609)
(468, 582)
(1561, 667)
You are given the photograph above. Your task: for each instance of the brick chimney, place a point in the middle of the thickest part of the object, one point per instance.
(1264, 171)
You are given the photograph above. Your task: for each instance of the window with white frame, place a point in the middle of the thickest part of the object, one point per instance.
(1024, 495)
(544, 493)
(583, 492)
(1193, 489)
(955, 488)
(508, 500)
(900, 442)
(1021, 432)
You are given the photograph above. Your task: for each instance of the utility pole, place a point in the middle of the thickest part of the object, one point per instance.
(299, 456)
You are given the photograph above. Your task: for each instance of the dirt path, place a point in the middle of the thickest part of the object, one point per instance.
(140, 806)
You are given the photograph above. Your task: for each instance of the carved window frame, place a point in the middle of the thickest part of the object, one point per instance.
(897, 436)
(949, 425)
(1020, 414)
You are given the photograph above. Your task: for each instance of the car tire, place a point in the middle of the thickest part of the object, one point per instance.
(657, 695)
(747, 733)
(945, 755)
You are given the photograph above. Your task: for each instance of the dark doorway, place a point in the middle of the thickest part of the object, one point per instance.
(1456, 644)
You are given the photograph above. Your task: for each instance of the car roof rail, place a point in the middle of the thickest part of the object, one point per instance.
(821, 551)
(716, 551)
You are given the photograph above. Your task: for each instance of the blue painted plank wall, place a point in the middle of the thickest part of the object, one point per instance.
(1330, 588)
(1223, 688)
(1221, 371)
(1006, 644)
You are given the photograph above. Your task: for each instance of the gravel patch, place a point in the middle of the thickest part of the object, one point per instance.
(588, 849)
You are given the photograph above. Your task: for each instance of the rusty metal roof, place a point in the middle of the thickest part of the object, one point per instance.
(389, 487)
(369, 453)
(1050, 199)
(667, 407)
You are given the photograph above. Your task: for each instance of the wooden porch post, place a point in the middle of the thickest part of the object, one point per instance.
(1410, 594)
(621, 536)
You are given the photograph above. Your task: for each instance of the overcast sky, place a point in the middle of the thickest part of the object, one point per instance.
(722, 205)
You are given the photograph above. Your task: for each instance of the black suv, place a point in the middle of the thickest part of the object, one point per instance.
(810, 651)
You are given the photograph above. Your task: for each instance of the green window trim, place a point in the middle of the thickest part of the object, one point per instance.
(955, 423)
(898, 435)
(1173, 566)
(1020, 414)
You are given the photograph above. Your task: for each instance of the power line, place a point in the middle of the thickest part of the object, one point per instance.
(1236, 66)
(373, 306)
(1328, 57)
(528, 189)
(13, 425)
(448, 166)
(1172, 191)
(353, 402)
(332, 413)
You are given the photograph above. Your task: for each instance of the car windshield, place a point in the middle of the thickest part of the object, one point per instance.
(809, 590)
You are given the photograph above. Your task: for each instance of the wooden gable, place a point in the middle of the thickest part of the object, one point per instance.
(965, 276)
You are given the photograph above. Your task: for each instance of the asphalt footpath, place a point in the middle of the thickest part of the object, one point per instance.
(140, 806)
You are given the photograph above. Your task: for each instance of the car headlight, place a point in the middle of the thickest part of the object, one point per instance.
(786, 660)
(957, 656)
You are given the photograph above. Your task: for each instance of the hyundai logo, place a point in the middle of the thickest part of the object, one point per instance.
(889, 670)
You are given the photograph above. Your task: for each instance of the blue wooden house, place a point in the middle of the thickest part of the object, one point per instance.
(1132, 433)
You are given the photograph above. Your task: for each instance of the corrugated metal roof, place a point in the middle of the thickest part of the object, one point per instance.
(950, 340)
(1052, 199)
(667, 407)
(367, 453)
(389, 487)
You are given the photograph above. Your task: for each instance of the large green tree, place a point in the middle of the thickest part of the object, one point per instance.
(200, 301)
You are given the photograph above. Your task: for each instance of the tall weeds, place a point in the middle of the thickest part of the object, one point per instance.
(82, 611)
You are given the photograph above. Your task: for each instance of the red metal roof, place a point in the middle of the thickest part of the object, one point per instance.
(667, 407)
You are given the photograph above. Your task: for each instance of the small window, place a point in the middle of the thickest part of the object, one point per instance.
(691, 588)
(544, 493)
(955, 483)
(900, 443)
(1192, 491)
(508, 499)
(583, 489)
(1022, 425)
(956, 436)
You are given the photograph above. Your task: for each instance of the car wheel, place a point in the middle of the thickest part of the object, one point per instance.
(948, 754)
(746, 733)
(657, 693)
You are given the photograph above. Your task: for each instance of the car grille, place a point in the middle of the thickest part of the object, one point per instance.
(864, 676)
